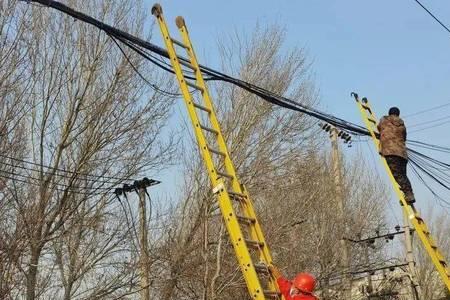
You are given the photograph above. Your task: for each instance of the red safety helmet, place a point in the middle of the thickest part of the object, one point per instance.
(305, 282)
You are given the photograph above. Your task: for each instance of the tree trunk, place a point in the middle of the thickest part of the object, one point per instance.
(32, 274)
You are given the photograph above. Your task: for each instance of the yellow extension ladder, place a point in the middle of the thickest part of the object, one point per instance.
(413, 215)
(235, 204)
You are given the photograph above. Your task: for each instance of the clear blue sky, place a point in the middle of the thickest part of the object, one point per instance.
(393, 52)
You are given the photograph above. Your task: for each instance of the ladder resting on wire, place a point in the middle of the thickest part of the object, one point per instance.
(416, 220)
(235, 204)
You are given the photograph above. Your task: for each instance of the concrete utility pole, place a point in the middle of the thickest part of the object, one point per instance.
(410, 257)
(369, 273)
(144, 261)
(143, 243)
(140, 187)
(337, 171)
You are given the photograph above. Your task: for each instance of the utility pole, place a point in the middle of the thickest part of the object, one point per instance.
(369, 274)
(140, 186)
(389, 236)
(410, 257)
(144, 260)
(337, 171)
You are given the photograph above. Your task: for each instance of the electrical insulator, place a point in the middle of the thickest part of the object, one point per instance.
(127, 188)
(118, 191)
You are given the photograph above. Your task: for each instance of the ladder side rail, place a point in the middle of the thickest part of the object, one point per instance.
(201, 140)
(248, 207)
(232, 224)
(420, 226)
(229, 167)
(265, 255)
(256, 232)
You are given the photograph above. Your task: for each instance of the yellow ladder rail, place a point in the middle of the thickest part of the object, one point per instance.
(225, 183)
(416, 220)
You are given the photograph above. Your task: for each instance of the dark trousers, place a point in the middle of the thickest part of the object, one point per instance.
(397, 165)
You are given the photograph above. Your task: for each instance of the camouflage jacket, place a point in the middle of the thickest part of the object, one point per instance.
(392, 136)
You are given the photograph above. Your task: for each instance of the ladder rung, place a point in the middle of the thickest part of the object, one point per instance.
(217, 152)
(246, 220)
(196, 105)
(254, 244)
(261, 268)
(366, 107)
(209, 129)
(272, 294)
(236, 195)
(224, 175)
(186, 64)
(372, 120)
(193, 85)
(179, 43)
(441, 258)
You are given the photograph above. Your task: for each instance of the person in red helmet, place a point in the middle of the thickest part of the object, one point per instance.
(300, 288)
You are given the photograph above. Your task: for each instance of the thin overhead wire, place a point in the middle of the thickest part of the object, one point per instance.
(56, 175)
(430, 127)
(429, 122)
(85, 176)
(426, 110)
(433, 16)
(428, 146)
(56, 186)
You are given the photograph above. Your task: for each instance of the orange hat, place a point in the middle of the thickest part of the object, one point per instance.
(305, 282)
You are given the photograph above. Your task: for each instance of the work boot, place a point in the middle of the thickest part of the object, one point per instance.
(410, 199)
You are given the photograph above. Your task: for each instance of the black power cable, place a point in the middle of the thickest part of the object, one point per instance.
(84, 176)
(134, 43)
(213, 74)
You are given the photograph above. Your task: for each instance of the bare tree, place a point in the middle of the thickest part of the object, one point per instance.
(91, 122)
(278, 157)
